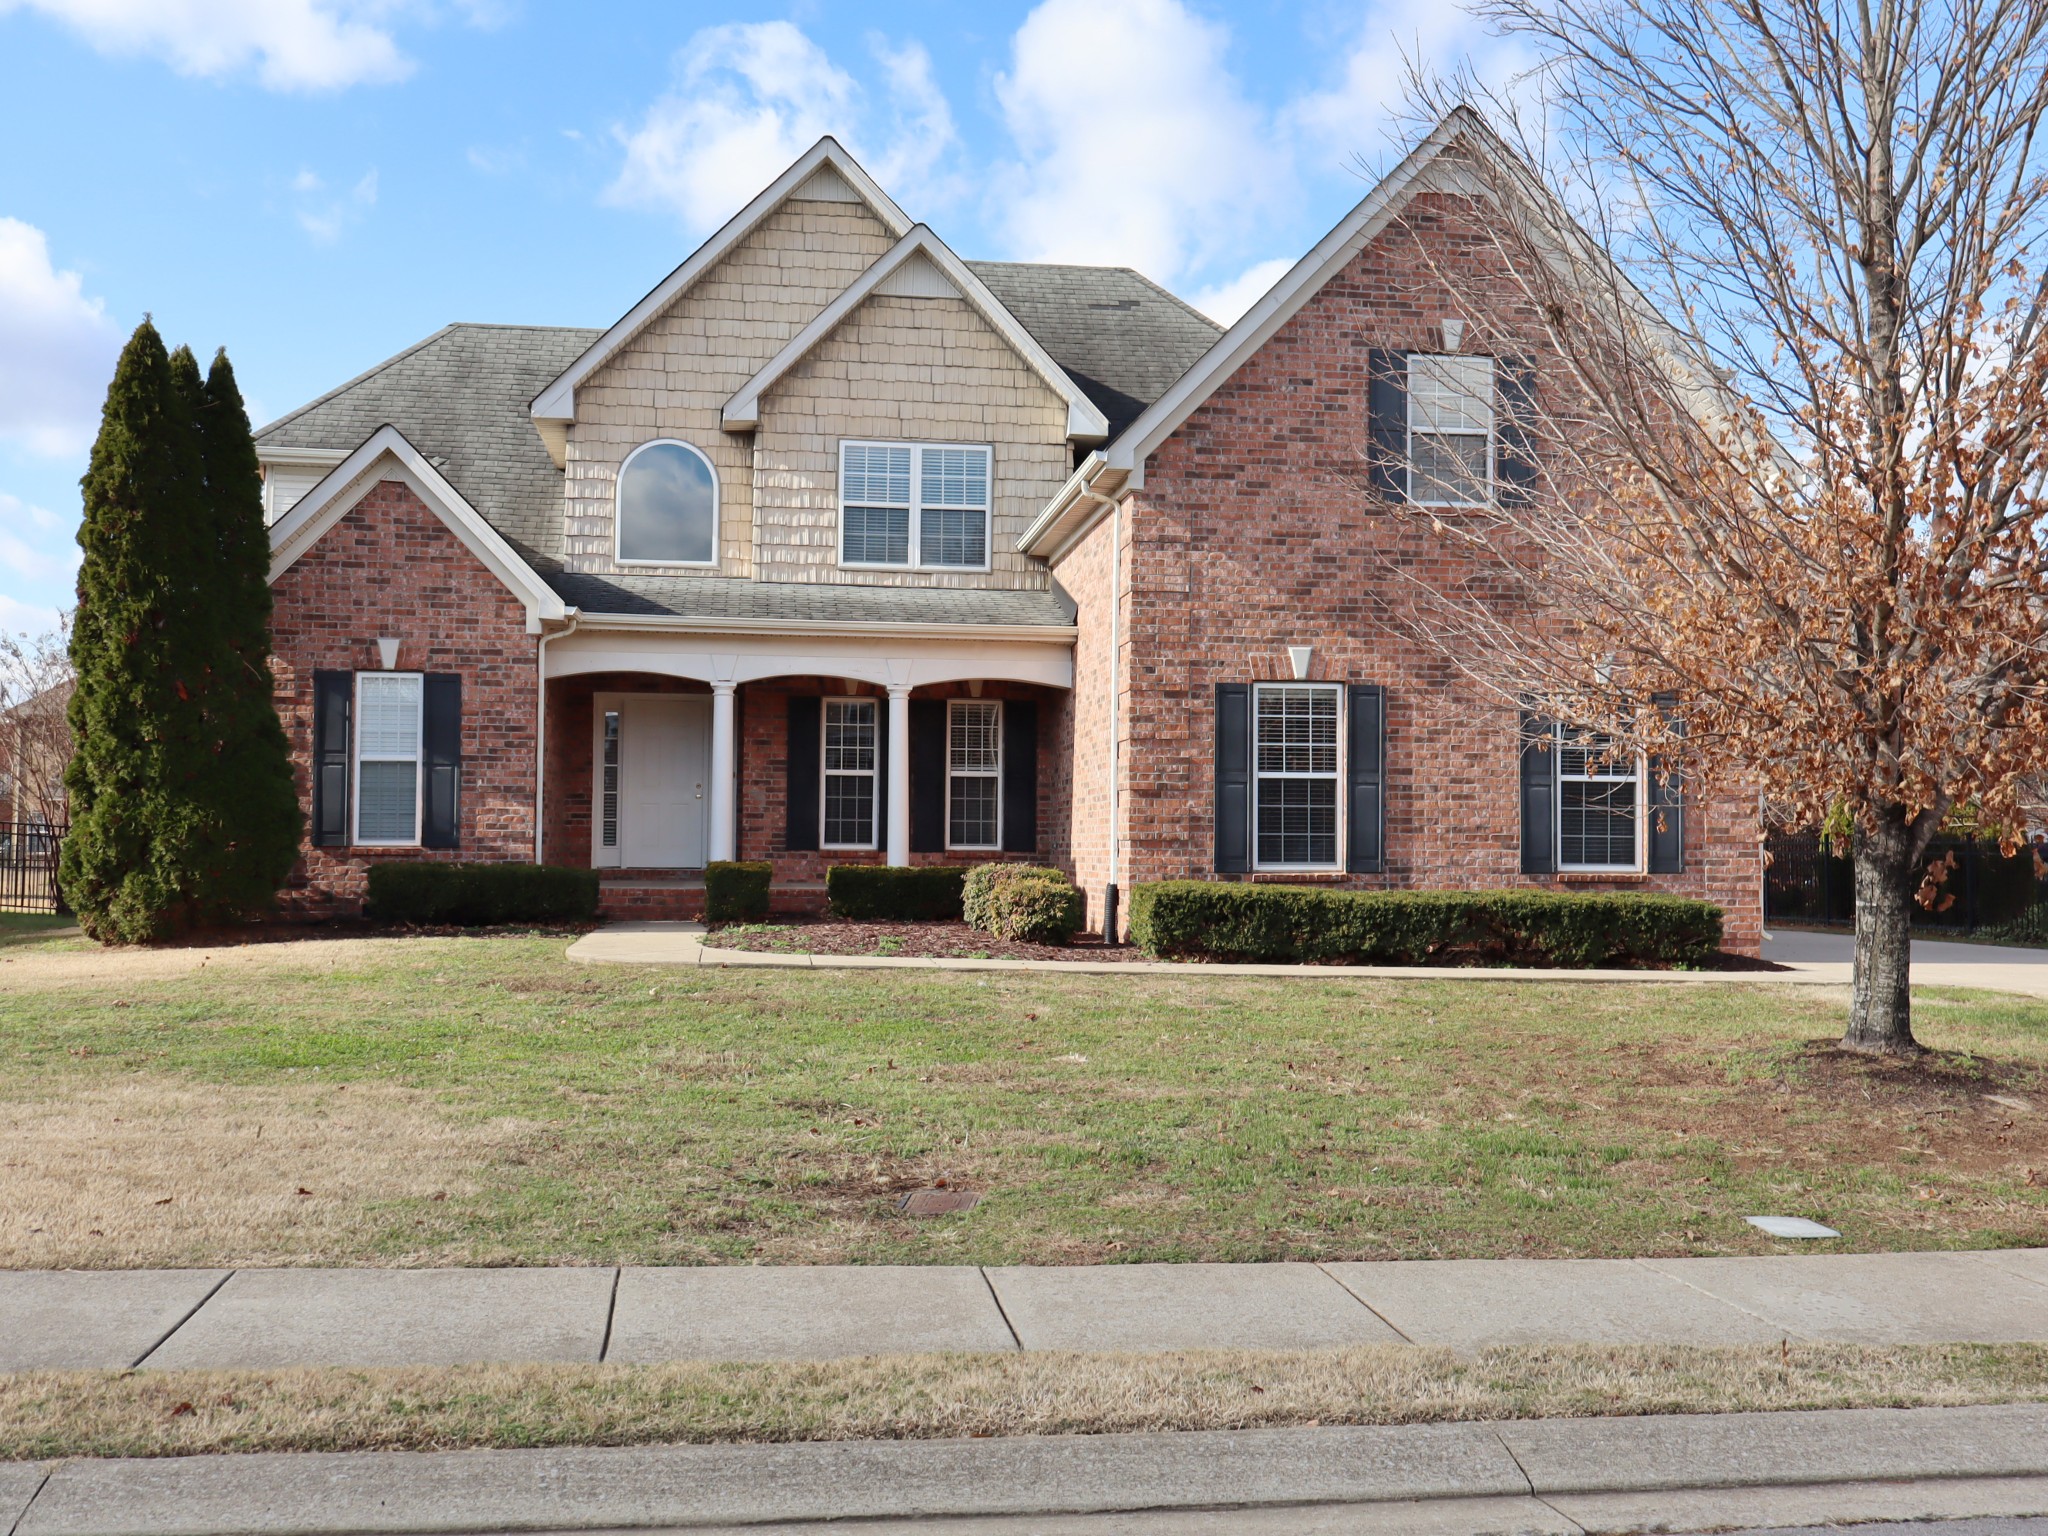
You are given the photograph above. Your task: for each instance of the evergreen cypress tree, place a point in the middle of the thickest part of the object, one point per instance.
(139, 835)
(251, 787)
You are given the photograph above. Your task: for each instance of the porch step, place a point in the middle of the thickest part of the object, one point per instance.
(681, 898)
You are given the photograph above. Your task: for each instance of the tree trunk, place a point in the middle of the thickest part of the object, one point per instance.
(1880, 1006)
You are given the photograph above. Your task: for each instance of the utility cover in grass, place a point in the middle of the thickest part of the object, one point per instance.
(1791, 1226)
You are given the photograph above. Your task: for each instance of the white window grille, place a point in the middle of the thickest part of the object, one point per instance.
(1295, 764)
(851, 746)
(914, 505)
(1599, 795)
(1450, 430)
(387, 749)
(974, 773)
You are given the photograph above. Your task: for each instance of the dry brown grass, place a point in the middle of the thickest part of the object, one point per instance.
(78, 962)
(100, 1413)
(148, 1172)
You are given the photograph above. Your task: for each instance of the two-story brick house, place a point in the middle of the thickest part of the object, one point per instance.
(838, 548)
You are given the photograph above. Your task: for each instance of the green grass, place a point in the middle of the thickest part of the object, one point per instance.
(706, 1115)
(21, 927)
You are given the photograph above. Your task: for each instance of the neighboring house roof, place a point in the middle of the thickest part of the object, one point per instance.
(730, 598)
(1120, 336)
(1084, 419)
(461, 397)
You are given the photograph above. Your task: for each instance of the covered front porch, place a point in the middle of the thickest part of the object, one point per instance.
(663, 755)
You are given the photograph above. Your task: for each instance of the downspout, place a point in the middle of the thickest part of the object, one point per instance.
(1110, 894)
(540, 731)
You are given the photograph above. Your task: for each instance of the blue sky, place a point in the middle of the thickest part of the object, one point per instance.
(315, 184)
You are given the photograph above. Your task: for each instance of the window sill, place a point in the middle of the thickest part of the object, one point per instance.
(1304, 876)
(1599, 876)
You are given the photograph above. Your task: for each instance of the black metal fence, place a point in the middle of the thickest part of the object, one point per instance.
(28, 866)
(1984, 888)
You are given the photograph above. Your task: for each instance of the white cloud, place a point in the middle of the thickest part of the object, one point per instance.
(57, 344)
(293, 45)
(32, 560)
(1167, 167)
(1228, 300)
(19, 618)
(752, 96)
(323, 215)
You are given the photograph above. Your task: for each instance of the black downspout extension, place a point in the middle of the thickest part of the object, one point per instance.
(1109, 905)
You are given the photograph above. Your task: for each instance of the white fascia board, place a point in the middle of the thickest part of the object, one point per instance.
(311, 457)
(387, 455)
(558, 401)
(1074, 508)
(1085, 422)
(675, 623)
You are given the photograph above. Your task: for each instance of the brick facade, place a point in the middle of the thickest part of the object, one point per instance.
(389, 566)
(1253, 534)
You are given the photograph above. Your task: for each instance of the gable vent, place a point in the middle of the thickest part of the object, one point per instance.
(826, 186)
(918, 278)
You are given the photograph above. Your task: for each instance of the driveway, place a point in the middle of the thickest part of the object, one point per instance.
(1936, 962)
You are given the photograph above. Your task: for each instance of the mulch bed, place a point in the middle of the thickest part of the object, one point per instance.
(957, 941)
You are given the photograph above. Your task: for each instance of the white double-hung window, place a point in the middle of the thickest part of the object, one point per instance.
(1599, 801)
(387, 765)
(914, 505)
(1450, 430)
(1294, 772)
(974, 773)
(851, 742)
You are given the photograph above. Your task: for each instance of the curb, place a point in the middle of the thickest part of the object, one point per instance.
(1548, 1475)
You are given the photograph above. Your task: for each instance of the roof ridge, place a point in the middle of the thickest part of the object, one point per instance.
(368, 373)
(1080, 266)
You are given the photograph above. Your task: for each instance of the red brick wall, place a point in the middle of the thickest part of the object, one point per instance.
(572, 755)
(1253, 533)
(1085, 573)
(391, 567)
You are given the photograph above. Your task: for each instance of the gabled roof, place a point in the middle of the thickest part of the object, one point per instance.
(1085, 421)
(557, 402)
(459, 396)
(386, 455)
(1120, 336)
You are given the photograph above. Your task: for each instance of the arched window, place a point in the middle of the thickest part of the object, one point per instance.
(668, 506)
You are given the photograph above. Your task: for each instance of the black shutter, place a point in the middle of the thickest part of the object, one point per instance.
(1514, 465)
(1667, 805)
(1367, 775)
(442, 711)
(1233, 778)
(927, 775)
(333, 697)
(1020, 776)
(1539, 796)
(800, 787)
(882, 773)
(1387, 414)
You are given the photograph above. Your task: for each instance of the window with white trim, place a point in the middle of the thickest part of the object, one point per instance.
(389, 728)
(1450, 430)
(923, 505)
(851, 745)
(667, 512)
(609, 789)
(1294, 775)
(1599, 796)
(974, 773)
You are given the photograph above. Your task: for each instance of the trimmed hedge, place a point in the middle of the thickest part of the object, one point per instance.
(736, 890)
(924, 893)
(1229, 921)
(1022, 902)
(478, 895)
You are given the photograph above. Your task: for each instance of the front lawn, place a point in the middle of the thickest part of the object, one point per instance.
(447, 1101)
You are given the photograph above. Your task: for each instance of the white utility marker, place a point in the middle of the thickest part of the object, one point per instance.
(1791, 1226)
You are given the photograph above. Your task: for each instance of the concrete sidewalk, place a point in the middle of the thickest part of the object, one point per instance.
(1814, 959)
(1548, 1476)
(269, 1319)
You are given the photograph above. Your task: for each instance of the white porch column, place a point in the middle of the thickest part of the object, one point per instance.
(723, 758)
(899, 773)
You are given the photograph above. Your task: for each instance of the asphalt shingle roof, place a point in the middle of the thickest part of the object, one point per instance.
(727, 597)
(461, 398)
(1121, 337)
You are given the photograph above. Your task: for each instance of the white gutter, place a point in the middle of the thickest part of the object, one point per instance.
(540, 732)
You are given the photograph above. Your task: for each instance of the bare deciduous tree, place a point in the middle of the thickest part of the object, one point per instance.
(35, 736)
(1791, 444)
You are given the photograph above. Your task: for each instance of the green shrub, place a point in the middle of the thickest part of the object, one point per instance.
(1230, 921)
(926, 893)
(1022, 902)
(736, 891)
(478, 895)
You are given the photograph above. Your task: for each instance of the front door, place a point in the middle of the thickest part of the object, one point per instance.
(666, 768)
